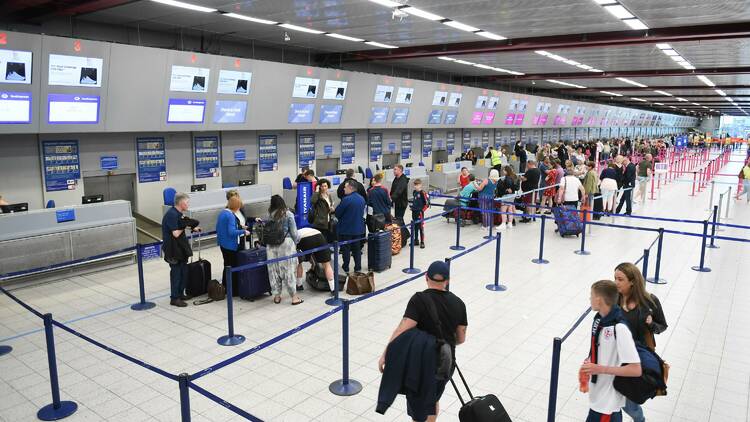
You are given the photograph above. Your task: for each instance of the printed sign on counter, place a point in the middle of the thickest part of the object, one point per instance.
(405, 145)
(426, 144)
(347, 148)
(63, 216)
(62, 167)
(206, 156)
(376, 146)
(268, 153)
(151, 160)
(240, 155)
(108, 162)
(306, 150)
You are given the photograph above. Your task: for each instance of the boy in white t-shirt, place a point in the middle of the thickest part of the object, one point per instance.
(612, 354)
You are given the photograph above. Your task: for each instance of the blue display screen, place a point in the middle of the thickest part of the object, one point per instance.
(230, 111)
(435, 117)
(330, 113)
(400, 115)
(379, 115)
(301, 113)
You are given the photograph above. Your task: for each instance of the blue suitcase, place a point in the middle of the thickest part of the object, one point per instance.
(254, 282)
(568, 221)
(379, 251)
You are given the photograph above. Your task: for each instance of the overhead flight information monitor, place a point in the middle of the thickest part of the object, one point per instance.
(330, 113)
(399, 115)
(182, 110)
(383, 94)
(301, 113)
(435, 117)
(189, 79)
(15, 107)
(72, 109)
(75, 71)
(379, 115)
(16, 67)
(234, 82)
(305, 88)
(404, 95)
(230, 111)
(335, 90)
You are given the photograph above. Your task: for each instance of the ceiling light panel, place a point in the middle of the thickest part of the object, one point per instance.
(345, 37)
(604, 2)
(720, 92)
(638, 99)
(619, 11)
(705, 80)
(664, 93)
(300, 28)
(554, 81)
(490, 35)
(614, 94)
(386, 3)
(566, 60)
(634, 83)
(461, 26)
(663, 46)
(421, 13)
(635, 24)
(250, 18)
(185, 6)
(381, 45)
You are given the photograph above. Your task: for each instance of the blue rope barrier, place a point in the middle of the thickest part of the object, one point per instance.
(65, 264)
(576, 324)
(22, 303)
(213, 397)
(115, 351)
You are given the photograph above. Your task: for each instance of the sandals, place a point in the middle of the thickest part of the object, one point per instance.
(297, 303)
(277, 300)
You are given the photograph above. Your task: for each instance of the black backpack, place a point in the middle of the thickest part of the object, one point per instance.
(652, 380)
(272, 232)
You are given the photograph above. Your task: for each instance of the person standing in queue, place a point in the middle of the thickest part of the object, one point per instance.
(283, 274)
(379, 201)
(628, 183)
(230, 235)
(360, 187)
(349, 212)
(176, 247)
(400, 192)
(322, 209)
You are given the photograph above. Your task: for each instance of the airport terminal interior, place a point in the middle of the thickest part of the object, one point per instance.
(218, 210)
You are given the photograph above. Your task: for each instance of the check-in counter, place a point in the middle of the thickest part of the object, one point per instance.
(206, 206)
(54, 236)
(412, 173)
(290, 195)
(445, 176)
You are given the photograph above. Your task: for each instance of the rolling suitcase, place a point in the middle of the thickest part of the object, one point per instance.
(598, 207)
(379, 251)
(449, 207)
(568, 221)
(253, 282)
(395, 237)
(199, 274)
(481, 408)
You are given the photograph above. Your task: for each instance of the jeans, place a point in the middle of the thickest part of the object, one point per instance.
(351, 249)
(599, 417)
(178, 274)
(745, 189)
(634, 410)
(230, 260)
(418, 226)
(627, 199)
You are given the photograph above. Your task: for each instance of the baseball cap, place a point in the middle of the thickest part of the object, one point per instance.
(439, 271)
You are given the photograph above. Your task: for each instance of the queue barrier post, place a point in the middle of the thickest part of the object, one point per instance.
(711, 196)
(457, 246)
(554, 379)
(57, 409)
(702, 268)
(184, 381)
(142, 305)
(4, 350)
(492, 223)
(655, 279)
(541, 259)
(653, 176)
(718, 214)
(335, 300)
(448, 262)
(729, 199)
(694, 180)
(583, 250)
(411, 269)
(231, 339)
(345, 386)
(713, 228)
(644, 270)
(496, 286)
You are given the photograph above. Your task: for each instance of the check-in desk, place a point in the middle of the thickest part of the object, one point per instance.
(412, 173)
(53, 236)
(206, 206)
(290, 195)
(445, 176)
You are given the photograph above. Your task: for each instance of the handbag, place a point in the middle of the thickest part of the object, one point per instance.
(360, 283)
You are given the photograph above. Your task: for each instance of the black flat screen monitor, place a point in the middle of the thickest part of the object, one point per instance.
(246, 182)
(90, 199)
(340, 171)
(11, 208)
(198, 188)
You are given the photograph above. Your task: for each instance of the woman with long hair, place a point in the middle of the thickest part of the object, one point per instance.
(322, 209)
(507, 187)
(283, 273)
(643, 313)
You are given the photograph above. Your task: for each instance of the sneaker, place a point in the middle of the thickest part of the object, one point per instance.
(513, 222)
(500, 227)
(178, 302)
(300, 287)
(421, 245)
(508, 226)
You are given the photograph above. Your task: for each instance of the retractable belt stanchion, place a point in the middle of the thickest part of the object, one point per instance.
(411, 269)
(695, 175)
(4, 350)
(335, 301)
(184, 380)
(496, 286)
(653, 176)
(655, 279)
(345, 386)
(729, 201)
(554, 379)
(711, 196)
(57, 409)
(231, 339)
(583, 250)
(142, 305)
(702, 268)
(492, 223)
(713, 228)
(457, 246)
(541, 259)
(644, 270)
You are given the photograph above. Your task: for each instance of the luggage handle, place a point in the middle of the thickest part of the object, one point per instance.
(192, 234)
(468, 390)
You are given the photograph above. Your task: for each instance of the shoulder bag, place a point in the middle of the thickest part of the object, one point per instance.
(445, 359)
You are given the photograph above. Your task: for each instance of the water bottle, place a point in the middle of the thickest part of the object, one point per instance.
(583, 380)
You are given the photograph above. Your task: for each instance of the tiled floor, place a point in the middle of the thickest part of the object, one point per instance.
(508, 351)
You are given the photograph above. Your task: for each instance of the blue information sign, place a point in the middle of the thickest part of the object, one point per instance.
(376, 146)
(466, 141)
(64, 216)
(426, 144)
(304, 195)
(306, 150)
(108, 162)
(485, 139)
(498, 139)
(405, 145)
(240, 155)
(328, 150)
(268, 153)
(347, 148)
(206, 153)
(150, 252)
(62, 167)
(152, 160)
(391, 146)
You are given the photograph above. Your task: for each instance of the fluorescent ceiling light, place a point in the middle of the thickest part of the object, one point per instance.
(688, 66)
(572, 62)
(680, 99)
(635, 24)
(542, 52)
(483, 66)
(185, 5)
(490, 35)
(661, 104)
(705, 80)
(513, 72)
(705, 107)
(611, 93)
(345, 37)
(670, 52)
(463, 62)
(695, 104)
(421, 13)
(585, 66)
(377, 44)
(678, 58)
(664, 93)
(628, 81)
(387, 3)
(720, 92)
(461, 26)
(638, 99)
(672, 107)
(565, 83)
(619, 11)
(558, 58)
(663, 46)
(450, 59)
(603, 2)
(250, 19)
(595, 70)
(300, 28)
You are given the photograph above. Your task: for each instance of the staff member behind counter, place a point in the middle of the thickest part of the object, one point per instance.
(3, 205)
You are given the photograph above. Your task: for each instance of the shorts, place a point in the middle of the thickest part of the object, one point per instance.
(312, 242)
(600, 417)
(439, 389)
(642, 179)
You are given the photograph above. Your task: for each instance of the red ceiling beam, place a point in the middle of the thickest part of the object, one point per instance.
(553, 42)
(647, 73)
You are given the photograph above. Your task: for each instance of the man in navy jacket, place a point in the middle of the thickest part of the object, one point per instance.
(350, 226)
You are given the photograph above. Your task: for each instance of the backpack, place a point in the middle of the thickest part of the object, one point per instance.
(653, 379)
(272, 233)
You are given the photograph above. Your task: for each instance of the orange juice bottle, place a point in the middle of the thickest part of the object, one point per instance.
(583, 380)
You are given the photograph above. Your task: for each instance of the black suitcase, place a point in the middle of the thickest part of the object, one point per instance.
(479, 409)
(316, 278)
(199, 274)
(379, 251)
(253, 282)
(598, 207)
